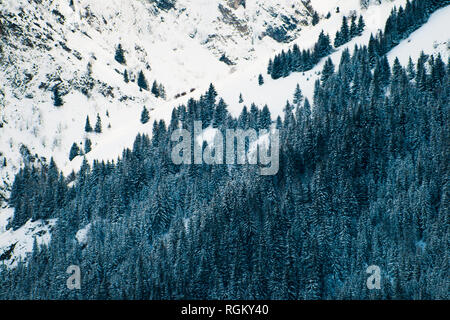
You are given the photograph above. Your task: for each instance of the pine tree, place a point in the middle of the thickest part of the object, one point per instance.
(87, 126)
(298, 96)
(315, 18)
(260, 79)
(322, 48)
(98, 125)
(162, 91)
(265, 120)
(270, 67)
(74, 151)
(361, 25)
(57, 100)
(120, 58)
(241, 99)
(211, 94)
(345, 34)
(411, 69)
(328, 70)
(142, 82)
(338, 39)
(353, 27)
(155, 89)
(87, 145)
(145, 116)
(126, 78)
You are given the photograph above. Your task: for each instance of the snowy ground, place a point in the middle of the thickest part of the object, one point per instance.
(244, 79)
(431, 38)
(16, 245)
(174, 48)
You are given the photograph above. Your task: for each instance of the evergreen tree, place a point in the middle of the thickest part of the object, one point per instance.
(328, 70)
(74, 151)
(260, 79)
(298, 96)
(119, 56)
(265, 120)
(353, 28)
(155, 89)
(361, 25)
(162, 91)
(322, 47)
(315, 18)
(87, 145)
(57, 99)
(142, 82)
(145, 116)
(411, 69)
(87, 126)
(338, 39)
(345, 34)
(98, 125)
(270, 67)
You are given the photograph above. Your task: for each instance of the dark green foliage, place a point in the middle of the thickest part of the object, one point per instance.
(402, 22)
(98, 125)
(57, 99)
(361, 25)
(126, 78)
(315, 18)
(165, 4)
(295, 60)
(87, 126)
(226, 60)
(328, 70)
(158, 90)
(346, 33)
(362, 181)
(298, 95)
(155, 89)
(87, 146)
(145, 115)
(74, 151)
(260, 79)
(120, 56)
(142, 82)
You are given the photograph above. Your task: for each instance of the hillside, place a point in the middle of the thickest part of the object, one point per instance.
(68, 51)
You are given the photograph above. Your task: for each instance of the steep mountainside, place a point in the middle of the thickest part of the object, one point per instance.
(59, 65)
(69, 47)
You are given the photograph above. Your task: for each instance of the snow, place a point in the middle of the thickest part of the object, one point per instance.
(5, 215)
(432, 37)
(244, 79)
(421, 245)
(208, 135)
(21, 241)
(179, 48)
(81, 234)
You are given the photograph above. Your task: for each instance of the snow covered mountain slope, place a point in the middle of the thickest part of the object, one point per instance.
(71, 45)
(56, 44)
(275, 93)
(16, 245)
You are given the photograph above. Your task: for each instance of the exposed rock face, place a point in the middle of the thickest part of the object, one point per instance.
(236, 3)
